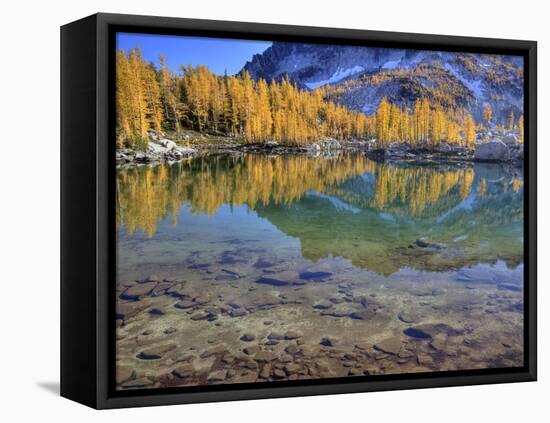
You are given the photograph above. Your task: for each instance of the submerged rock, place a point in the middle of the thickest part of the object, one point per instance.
(156, 311)
(340, 310)
(265, 356)
(329, 341)
(237, 313)
(217, 376)
(292, 368)
(177, 291)
(390, 345)
(124, 373)
(204, 315)
(439, 341)
(247, 337)
(217, 350)
(137, 291)
(416, 333)
(151, 278)
(251, 350)
(292, 349)
(424, 359)
(278, 279)
(431, 330)
(315, 276)
(125, 311)
(276, 335)
(266, 371)
(183, 371)
(258, 300)
(322, 305)
(247, 377)
(362, 315)
(272, 281)
(184, 304)
(425, 244)
(156, 352)
(289, 335)
(263, 264)
(407, 317)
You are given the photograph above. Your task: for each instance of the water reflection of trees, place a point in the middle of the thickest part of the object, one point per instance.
(410, 190)
(482, 225)
(146, 194)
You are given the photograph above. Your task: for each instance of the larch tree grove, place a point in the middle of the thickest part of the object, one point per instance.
(257, 111)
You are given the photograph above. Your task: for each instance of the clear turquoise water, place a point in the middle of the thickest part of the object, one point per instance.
(476, 222)
(443, 243)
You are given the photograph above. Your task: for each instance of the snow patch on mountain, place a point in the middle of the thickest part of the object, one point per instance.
(392, 64)
(466, 80)
(474, 86)
(369, 108)
(337, 76)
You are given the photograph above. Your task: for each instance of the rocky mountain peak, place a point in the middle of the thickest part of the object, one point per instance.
(370, 73)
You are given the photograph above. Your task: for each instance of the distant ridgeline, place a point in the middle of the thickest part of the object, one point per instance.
(361, 77)
(424, 103)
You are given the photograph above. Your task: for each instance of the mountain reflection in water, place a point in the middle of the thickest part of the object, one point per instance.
(381, 216)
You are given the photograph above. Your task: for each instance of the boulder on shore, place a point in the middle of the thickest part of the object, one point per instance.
(444, 148)
(154, 135)
(510, 139)
(158, 150)
(491, 151)
(167, 144)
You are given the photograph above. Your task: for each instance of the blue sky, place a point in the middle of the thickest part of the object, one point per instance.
(218, 54)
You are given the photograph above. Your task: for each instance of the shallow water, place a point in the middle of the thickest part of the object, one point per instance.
(373, 268)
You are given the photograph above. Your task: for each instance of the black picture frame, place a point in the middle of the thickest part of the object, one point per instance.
(87, 221)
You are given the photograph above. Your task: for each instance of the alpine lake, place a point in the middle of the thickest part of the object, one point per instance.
(239, 268)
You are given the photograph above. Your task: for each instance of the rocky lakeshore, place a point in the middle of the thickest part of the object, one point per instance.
(491, 147)
(158, 150)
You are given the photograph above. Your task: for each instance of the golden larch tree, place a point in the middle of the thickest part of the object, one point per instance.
(511, 121)
(487, 114)
(521, 129)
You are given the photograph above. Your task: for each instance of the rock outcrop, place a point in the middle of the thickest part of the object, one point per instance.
(494, 150)
(158, 150)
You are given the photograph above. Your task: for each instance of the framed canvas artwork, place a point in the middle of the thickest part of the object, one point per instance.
(254, 211)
